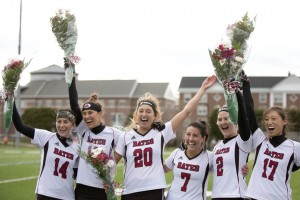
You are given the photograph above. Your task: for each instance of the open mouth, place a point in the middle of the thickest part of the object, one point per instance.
(271, 128)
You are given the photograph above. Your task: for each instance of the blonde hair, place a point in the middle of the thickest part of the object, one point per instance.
(147, 97)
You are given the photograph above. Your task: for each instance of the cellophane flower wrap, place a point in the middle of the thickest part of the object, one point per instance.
(11, 76)
(229, 58)
(65, 30)
(104, 167)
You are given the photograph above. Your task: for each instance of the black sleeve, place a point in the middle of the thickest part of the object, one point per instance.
(73, 98)
(22, 128)
(295, 168)
(75, 171)
(243, 123)
(249, 104)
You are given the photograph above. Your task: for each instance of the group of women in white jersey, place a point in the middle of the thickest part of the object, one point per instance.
(142, 150)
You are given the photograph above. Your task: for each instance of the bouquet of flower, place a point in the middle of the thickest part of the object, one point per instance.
(65, 31)
(11, 76)
(103, 166)
(229, 58)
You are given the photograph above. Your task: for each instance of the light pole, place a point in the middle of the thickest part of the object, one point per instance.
(18, 91)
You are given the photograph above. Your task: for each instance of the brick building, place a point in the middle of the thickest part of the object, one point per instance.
(47, 88)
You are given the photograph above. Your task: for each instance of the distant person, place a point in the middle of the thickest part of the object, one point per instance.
(93, 133)
(275, 154)
(142, 146)
(59, 159)
(5, 140)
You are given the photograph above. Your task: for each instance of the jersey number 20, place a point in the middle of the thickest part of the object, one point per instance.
(142, 157)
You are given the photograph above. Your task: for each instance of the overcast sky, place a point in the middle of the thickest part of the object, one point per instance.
(153, 40)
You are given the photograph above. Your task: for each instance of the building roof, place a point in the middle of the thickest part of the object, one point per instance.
(49, 82)
(52, 69)
(104, 88)
(256, 81)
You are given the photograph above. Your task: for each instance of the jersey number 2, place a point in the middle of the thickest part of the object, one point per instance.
(219, 162)
(62, 169)
(142, 157)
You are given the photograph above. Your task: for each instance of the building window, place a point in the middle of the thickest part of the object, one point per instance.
(58, 103)
(111, 103)
(122, 103)
(278, 99)
(204, 99)
(39, 103)
(262, 98)
(187, 97)
(49, 103)
(202, 110)
(117, 119)
(23, 104)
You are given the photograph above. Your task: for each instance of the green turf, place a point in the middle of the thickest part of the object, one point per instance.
(21, 162)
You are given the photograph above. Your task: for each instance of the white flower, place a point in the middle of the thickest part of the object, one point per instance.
(222, 61)
(239, 59)
(229, 30)
(233, 64)
(95, 152)
(226, 44)
(110, 163)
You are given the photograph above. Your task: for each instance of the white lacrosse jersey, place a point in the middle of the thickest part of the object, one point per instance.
(270, 178)
(228, 160)
(107, 139)
(56, 168)
(143, 155)
(190, 175)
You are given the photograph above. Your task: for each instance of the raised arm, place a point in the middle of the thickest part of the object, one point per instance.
(22, 128)
(73, 98)
(249, 104)
(243, 122)
(192, 104)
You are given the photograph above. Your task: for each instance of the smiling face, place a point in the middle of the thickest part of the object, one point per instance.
(194, 140)
(92, 118)
(64, 127)
(145, 117)
(274, 123)
(225, 125)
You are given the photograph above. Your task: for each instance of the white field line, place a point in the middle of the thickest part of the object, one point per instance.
(19, 163)
(18, 179)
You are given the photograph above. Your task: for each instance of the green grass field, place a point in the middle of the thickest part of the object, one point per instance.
(19, 168)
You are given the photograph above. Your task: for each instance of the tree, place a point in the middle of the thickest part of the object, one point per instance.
(42, 118)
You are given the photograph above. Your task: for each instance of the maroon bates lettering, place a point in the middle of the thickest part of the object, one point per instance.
(96, 141)
(222, 151)
(143, 142)
(274, 154)
(189, 167)
(63, 154)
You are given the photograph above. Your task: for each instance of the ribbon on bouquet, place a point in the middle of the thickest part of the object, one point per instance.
(231, 85)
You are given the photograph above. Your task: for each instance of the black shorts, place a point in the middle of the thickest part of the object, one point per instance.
(43, 197)
(145, 195)
(84, 192)
(228, 199)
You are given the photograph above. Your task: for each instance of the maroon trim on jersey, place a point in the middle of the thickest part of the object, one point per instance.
(204, 179)
(237, 163)
(45, 157)
(256, 154)
(162, 140)
(288, 167)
